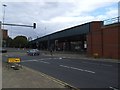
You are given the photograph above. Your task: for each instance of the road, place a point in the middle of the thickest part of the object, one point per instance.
(77, 72)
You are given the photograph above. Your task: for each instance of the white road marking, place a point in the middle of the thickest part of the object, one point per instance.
(49, 58)
(29, 60)
(60, 58)
(65, 66)
(38, 60)
(45, 62)
(113, 88)
(77, 69)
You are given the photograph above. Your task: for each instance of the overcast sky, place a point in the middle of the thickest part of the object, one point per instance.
(54, 15)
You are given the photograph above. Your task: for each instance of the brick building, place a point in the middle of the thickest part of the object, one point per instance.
(5, 34)
(104, 40)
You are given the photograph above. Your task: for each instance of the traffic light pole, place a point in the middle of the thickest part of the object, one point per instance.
(1, 35)
(1, 38)
(0, 56)
(34, 25)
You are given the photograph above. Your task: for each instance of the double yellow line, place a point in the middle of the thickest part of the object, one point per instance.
(66, 85)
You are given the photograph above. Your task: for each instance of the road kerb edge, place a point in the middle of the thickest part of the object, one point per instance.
(53, 79)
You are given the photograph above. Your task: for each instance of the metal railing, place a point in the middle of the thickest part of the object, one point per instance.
(111, 21)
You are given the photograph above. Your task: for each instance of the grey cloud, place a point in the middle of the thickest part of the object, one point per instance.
(29, 12)
(37, 11)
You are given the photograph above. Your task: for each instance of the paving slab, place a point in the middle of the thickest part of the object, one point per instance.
(26, 78)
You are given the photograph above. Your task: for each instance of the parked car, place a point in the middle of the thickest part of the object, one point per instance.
(3, 50)
(33, 52)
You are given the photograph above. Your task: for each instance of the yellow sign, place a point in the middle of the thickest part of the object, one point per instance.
(14, 60)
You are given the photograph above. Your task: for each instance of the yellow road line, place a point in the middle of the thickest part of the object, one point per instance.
(55, 80)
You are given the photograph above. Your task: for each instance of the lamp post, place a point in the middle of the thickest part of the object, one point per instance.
(0, 56)
(0, 35)
(4, 41)
(4, 14)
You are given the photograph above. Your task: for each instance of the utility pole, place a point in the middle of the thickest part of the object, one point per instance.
(1, 37)
(4, 6)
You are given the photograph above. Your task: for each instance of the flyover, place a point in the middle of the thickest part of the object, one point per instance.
(93, 38)
(70, 39)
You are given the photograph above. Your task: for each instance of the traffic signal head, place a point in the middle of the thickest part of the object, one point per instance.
(34, 25)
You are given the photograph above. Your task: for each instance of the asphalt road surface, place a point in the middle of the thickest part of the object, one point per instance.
(77, 72)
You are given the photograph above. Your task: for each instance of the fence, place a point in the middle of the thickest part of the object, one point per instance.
(111, 21)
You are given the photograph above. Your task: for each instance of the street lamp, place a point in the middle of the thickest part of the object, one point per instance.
(4, 14)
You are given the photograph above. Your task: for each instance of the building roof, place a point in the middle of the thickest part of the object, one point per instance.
(72, 31)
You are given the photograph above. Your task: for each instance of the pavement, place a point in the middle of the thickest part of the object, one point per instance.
(27, 78)
(78, 56)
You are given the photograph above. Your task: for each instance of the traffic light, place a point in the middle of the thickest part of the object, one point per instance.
(34, 25)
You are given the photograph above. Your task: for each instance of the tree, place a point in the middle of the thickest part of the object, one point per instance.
(20, 41)
(9, 42)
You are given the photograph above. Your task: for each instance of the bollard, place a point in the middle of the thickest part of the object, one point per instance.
(96, 55)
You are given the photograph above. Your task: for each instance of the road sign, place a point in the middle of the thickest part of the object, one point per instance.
(13, 60)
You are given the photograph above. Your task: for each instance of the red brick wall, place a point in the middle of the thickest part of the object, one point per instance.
(104, 40)
(5, 34)
(110, 41)
(89, 44)
(95, 26)
(97, 43)
(94, 39)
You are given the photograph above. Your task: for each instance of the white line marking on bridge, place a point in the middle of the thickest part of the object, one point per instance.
(77, 69)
